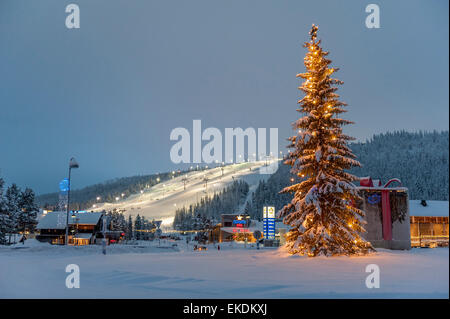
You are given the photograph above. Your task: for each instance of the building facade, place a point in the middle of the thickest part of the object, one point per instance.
(84, 228)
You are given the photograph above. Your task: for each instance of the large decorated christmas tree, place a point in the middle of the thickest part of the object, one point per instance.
(322, 214)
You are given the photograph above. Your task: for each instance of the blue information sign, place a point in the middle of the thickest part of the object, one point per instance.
(269, 222)
(64, 185)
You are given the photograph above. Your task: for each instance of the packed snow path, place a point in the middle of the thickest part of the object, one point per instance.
(233, 272)
(162, 200)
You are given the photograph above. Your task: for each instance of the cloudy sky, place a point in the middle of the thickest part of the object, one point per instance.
(110, 92)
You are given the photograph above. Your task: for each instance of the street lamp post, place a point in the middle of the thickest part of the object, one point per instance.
(72, 164)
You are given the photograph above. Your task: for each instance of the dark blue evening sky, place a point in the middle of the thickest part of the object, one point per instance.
(110, 92)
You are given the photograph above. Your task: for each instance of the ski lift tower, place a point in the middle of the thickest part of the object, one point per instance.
(206, 179)
(184, 179)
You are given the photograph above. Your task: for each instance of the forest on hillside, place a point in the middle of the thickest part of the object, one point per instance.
(207, 212)
(420, 160)
(84, 198)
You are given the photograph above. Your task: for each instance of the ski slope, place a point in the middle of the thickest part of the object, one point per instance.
(161, 201)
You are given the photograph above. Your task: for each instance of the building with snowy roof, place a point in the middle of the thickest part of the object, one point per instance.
(239, 227)
(429, 223)
(236, 227)
(83, 227)
(395, 222)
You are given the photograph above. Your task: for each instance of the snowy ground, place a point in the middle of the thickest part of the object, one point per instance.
(37, 270)
(162, 200)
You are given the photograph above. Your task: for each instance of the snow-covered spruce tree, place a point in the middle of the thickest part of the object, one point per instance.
(27, 218)
(322, 218)
(129, 231)
(5, 221)
(138, 227)
(12, 203)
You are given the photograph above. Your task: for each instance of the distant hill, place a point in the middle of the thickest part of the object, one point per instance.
(420, 160)
(84, 198)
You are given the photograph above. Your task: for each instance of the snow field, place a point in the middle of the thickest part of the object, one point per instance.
(148, 271)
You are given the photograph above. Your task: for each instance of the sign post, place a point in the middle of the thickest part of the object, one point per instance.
(63, 190)
(269, 222)
(257, 235)
(158, 231)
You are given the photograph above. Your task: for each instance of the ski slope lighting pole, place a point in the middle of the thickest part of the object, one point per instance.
(184, 179)
(72, 164)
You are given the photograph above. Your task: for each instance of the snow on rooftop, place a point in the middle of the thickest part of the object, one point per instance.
(57, 220)
(83, 235)
(434, 208)
(380, 188)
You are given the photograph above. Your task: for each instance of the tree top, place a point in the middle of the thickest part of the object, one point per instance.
(313, 32)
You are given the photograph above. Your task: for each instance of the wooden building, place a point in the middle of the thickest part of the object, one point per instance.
(83, 228)
(429, 223)
(236, 227)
